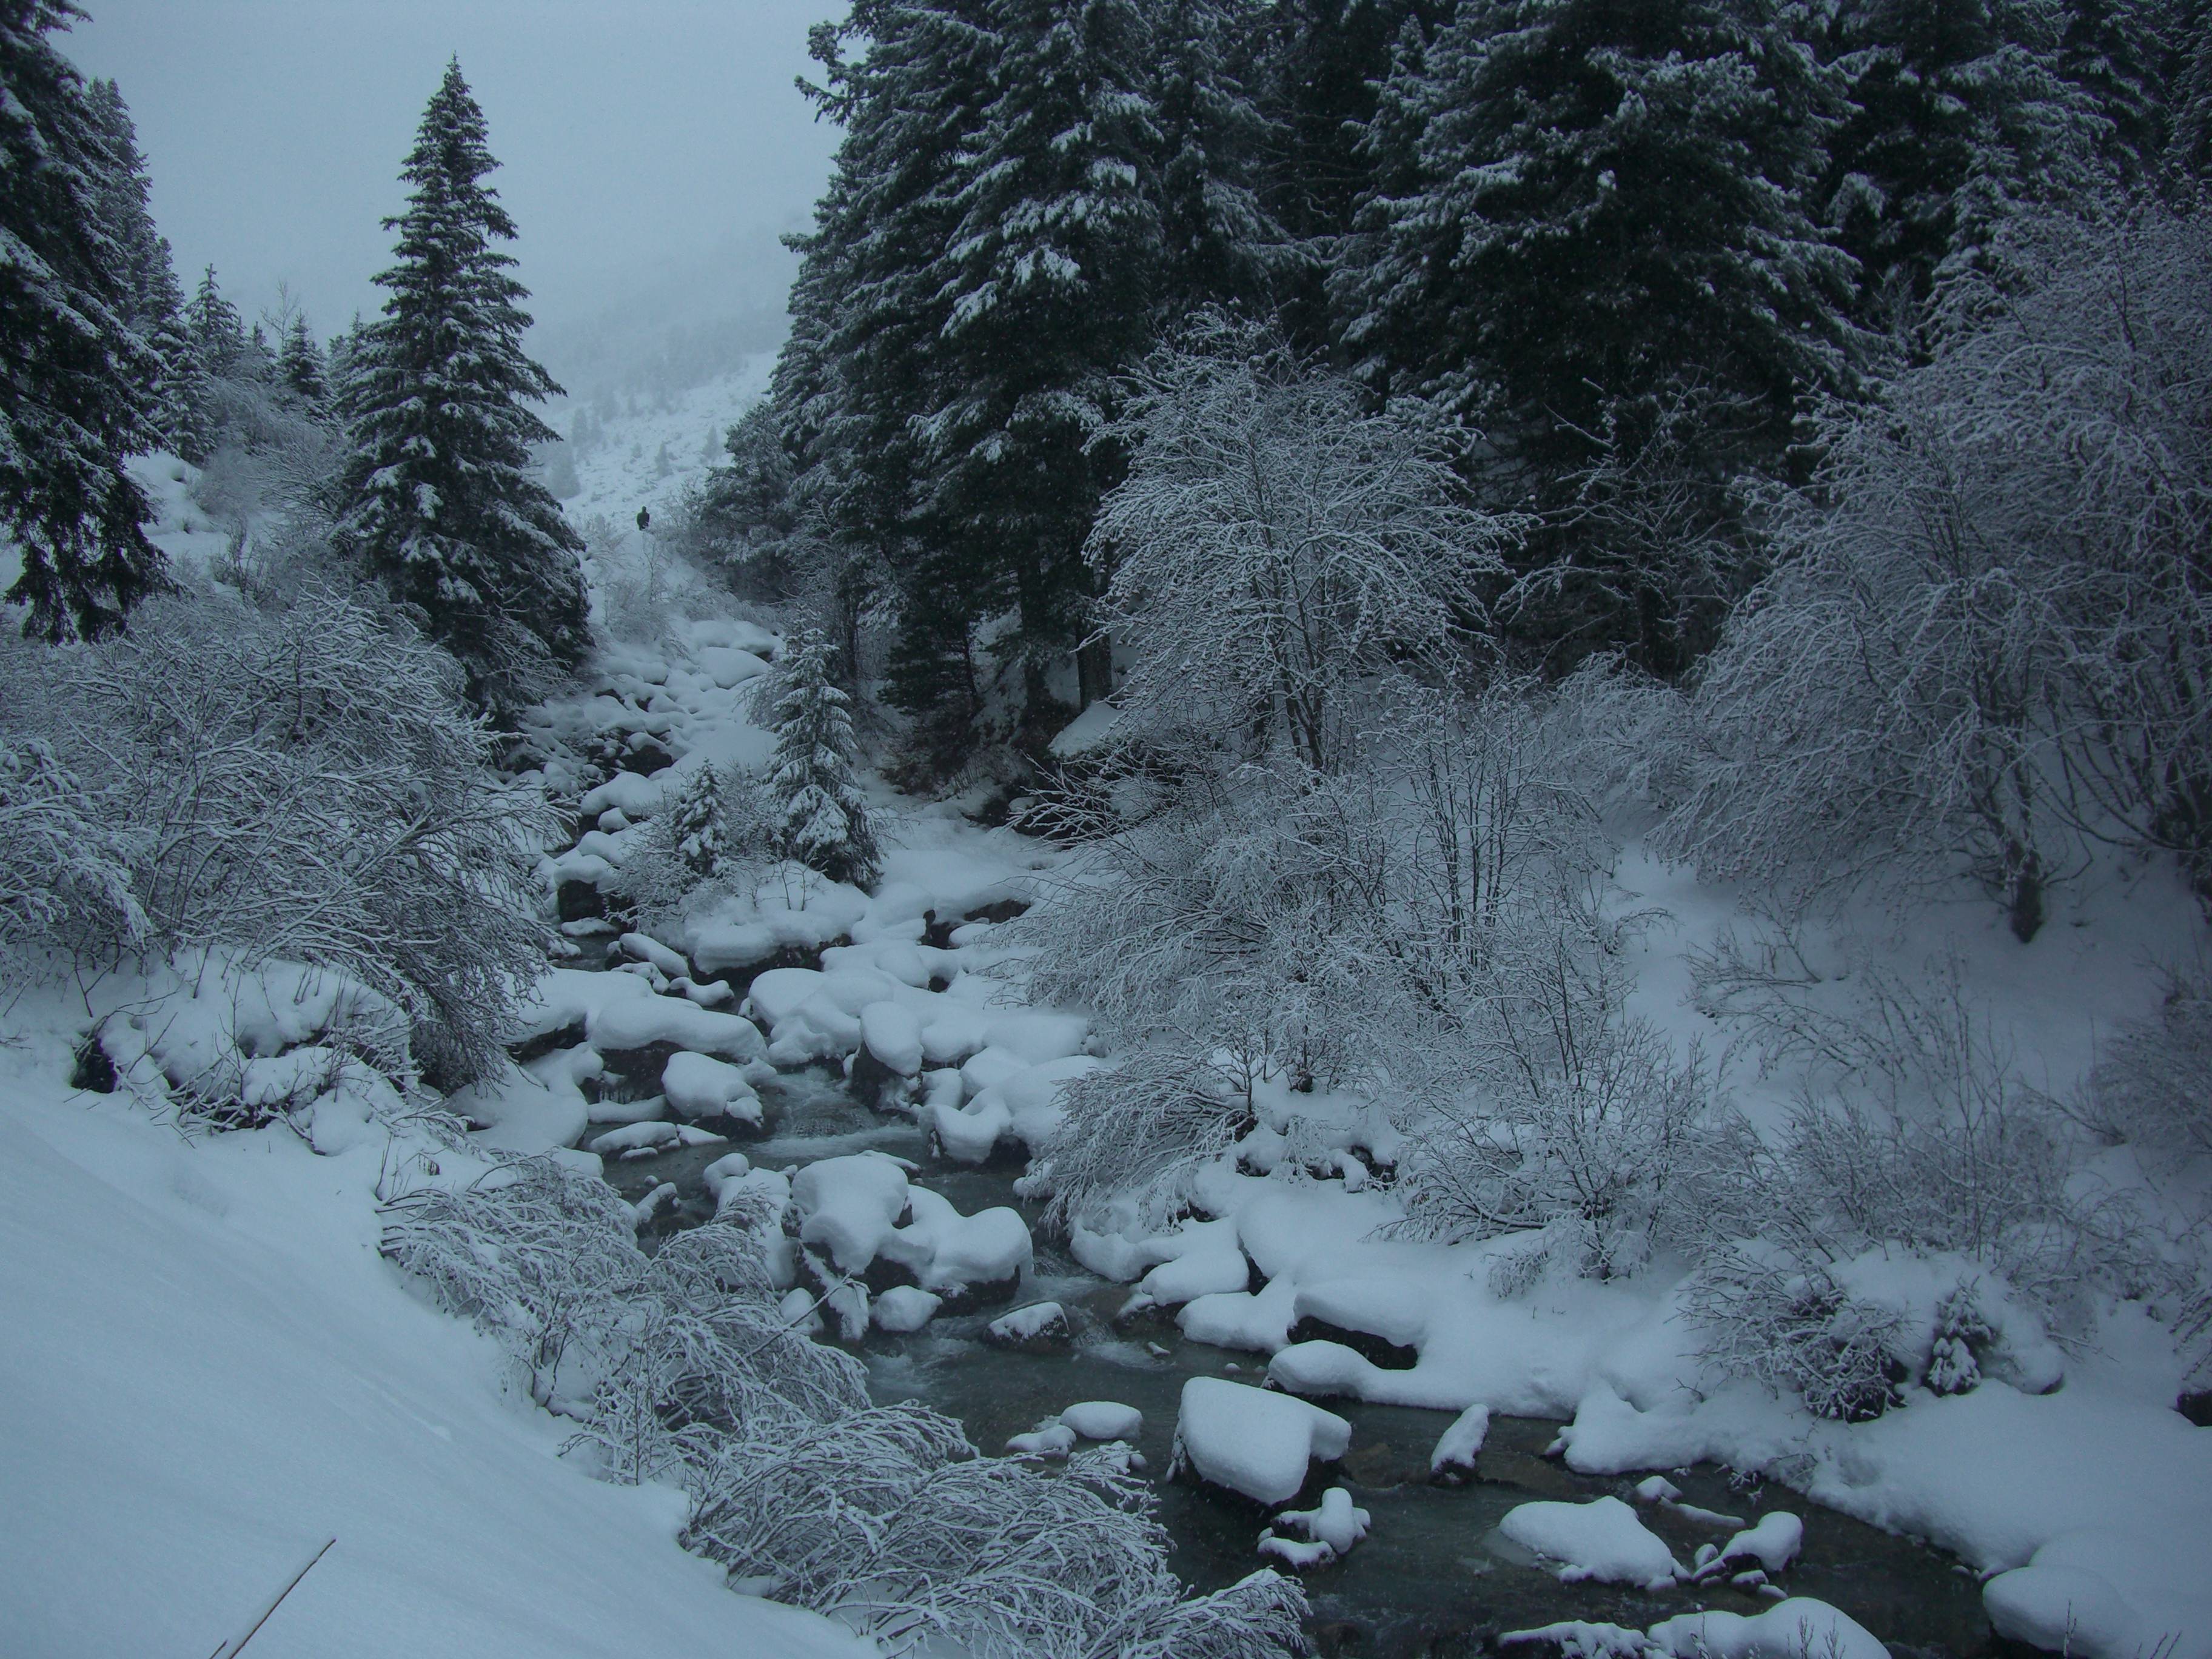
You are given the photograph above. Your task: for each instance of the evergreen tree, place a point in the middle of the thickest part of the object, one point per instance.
(2118, 53)
(76, 380)
(850, 384)
(821, 817)
(216, 330)
(1220, 245)
(441, 505)
(1606, 215)
(1322, 65)
(301, 365)
(1050, 275)
(1958, 111)
(153, 307)
(2189, 146)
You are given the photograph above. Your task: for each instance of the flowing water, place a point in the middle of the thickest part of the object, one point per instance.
(1432, 1577)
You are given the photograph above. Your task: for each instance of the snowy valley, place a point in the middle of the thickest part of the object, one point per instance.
(1201, 935)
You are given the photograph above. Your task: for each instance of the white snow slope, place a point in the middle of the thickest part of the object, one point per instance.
(208, 1370)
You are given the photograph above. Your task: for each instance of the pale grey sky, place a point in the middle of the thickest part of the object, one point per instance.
(647, 146)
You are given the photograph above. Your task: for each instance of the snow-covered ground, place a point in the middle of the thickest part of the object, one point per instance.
(208, 1371)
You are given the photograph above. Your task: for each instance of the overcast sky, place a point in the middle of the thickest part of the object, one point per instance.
(647, 146)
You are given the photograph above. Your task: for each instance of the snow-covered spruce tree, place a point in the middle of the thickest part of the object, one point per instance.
(1958, 113)
(1220, 244)
(76, 382)
(1320, 65)
(441, 505)
(152, 303)
(822, 818)
(1604, 207)
(850, 385)
(301, 366)
(1049, 275)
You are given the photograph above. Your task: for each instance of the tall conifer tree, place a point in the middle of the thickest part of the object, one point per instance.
(1050, 275)
(441, 505)
(77, 380)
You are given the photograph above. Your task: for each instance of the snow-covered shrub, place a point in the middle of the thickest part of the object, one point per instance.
(716, 836)
(1578, 1122)
(65, 870)
(1275, 544)
(1767, 1315)
(822, 819)
(1983, 645)
(300, 783)
(681, 1367)
(927, 1542)
(2152, 1087)
(1138, 1129)
(1913, 1144)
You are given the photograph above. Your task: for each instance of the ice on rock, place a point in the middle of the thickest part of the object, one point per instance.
(849, 1206)
(1600, 1539)
(1455, 1455)
(699, 1086)
(893, 1036)
(1103, 1419)
(903, 1308)
(1322, 1534)
(1787, 1630)
(1773, 1543)
(1252, 1441)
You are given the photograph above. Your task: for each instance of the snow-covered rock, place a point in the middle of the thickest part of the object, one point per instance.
(903, 1308)
(699, 1086)
(1773, 1543)
(1454, 1459)
(948, 1252)
(1314, 1537)
(1047, 1440)
(1788, 1630)
(1253, 1441)
(1103, 1419)
(1039, 1322)
(1600, 1539)
(2106, 1594)
(893, 1035)
(849, 1206)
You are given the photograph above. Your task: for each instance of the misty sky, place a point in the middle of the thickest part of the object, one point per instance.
(649, 147)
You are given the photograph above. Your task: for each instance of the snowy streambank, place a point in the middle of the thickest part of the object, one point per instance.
(2063, 1474)
(209, 1369)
